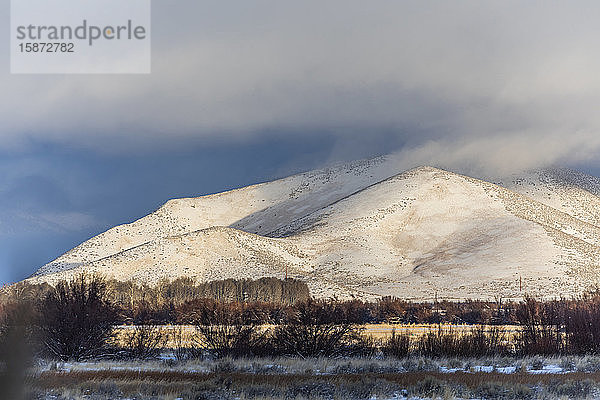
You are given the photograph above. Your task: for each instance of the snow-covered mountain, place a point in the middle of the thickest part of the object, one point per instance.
(363, 230)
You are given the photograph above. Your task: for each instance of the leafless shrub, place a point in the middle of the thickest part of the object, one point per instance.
(582, 325)
(76, 319)
(144, 341)
(480, 341)
(397, 345)
(186, 345)
(483, 341)
(541, 327)
(227, 334)
(311, 331)
(230, 340)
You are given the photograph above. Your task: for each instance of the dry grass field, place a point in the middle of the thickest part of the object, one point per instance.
(183, 335)
(313, 379)
(381, 331)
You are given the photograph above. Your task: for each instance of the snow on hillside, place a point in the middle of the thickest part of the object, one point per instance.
(359, 230)
(569, 191)
(260, 209)
(429, 231)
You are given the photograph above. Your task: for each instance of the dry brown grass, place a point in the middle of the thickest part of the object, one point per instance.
(381, 331)
(469, 379)
(167, 384)
(376, 331)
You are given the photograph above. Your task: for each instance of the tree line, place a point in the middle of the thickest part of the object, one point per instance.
(126, 293)
(76, 319)
(266, 301)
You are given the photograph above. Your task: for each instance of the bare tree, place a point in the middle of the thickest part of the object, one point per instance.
(76, 318)
(224, 333)
(314, 330)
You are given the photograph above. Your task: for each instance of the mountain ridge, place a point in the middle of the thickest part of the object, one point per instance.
(365, 230)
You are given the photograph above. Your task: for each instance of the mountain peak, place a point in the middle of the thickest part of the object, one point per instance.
(363, 229)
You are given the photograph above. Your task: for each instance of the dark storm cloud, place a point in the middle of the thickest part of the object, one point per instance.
(54, 197)
(460, 72)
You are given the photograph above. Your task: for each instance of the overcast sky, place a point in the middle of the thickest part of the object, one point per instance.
(247, 91)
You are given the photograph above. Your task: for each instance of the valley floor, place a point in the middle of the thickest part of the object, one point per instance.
(320, 378)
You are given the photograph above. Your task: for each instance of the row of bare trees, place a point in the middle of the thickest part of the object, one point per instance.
(178, 291)
(267, 300)
(76, 320)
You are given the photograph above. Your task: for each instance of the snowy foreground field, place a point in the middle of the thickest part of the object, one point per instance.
(343, 378)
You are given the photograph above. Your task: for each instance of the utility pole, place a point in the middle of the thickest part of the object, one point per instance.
(520, 284)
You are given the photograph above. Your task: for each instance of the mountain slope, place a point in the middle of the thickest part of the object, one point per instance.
(260, 209)
(571, 192)
(429, 230)
(356, 231)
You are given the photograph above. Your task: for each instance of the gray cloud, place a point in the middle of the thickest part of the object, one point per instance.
(495, 85)
(18, 222)
(500, 155)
